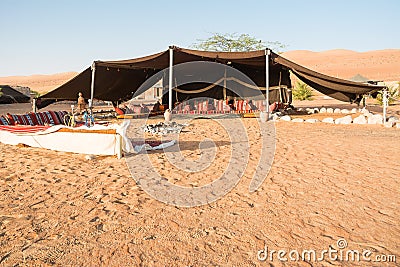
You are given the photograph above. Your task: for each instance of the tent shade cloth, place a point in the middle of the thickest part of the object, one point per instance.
(119, 80)
(8, 95)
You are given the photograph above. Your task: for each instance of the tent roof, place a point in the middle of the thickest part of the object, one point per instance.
(9, 95)
(119, 80)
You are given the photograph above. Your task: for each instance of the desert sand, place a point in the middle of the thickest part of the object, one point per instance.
(327, 182)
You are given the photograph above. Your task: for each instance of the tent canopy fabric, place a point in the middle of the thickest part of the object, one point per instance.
(119, 80)
(8, 95)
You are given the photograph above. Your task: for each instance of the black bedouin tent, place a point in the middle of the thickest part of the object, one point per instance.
(119, 80)
(8, 95)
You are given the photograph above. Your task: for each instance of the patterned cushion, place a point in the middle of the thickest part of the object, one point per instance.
(54, 116)
(60, 115)
(3, 121)
(38, 118)
(48, 118)
(13, 119)
(27, 119)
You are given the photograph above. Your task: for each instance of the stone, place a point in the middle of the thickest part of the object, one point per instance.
(297, 120)
(353, 111)
(389, 124)
(360, 120)
(375, 119)
(345, 111)
(310, 110)
(322, 110)
(90, 157)
(337, 110)
(274, 117)
(393, 119)
(328, 120)
(365, 112)
(344, 120)
(311, 120)
(286, 118)
(329, 110)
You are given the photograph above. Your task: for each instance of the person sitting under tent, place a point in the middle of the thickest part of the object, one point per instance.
(252, 106)
(81, 103)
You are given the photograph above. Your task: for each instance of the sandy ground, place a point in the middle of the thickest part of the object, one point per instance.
(327, 182)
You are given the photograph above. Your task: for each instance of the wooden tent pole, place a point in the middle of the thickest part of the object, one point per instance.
(267, 54)
(93, 68)
(171, 62)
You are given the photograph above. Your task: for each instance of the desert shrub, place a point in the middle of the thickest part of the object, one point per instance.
(393, 94)
(1, 93)
(302, 91)
(36, 93)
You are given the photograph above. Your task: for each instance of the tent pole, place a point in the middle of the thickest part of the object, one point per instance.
(385, 103)
(267, 54)
(93, 68)
(171, 62)
(224, 89)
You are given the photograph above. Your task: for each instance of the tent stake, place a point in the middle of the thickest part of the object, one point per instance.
(171, 62)
(267, 54)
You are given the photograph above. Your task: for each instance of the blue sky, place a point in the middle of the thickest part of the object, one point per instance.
(51, 36)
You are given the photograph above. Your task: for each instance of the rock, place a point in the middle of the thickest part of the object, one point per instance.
(297, 120)
(389, 124)
(337, 110)
(90, 157)
(345, 120)
(274, 117)
(328, 120)
(300, 109)
(329, 110)
(345, 111)
(286, 118)
(316, 110)
(375, 119)
(365, 112)
(353, 111)
(311, 120)
(310, 110)
(322, 110)
(393, 119)
(360, 120)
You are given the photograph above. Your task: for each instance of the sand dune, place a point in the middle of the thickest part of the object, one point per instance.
(39, 83)
(383, 65)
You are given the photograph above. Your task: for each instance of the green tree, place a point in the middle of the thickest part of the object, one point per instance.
(302, 91)
(1, 93)
(393, 94)
(233, 42)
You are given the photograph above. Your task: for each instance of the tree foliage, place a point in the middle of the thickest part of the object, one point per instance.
(393, 94)
(1, 93)
(234, 42)
(302, 91)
